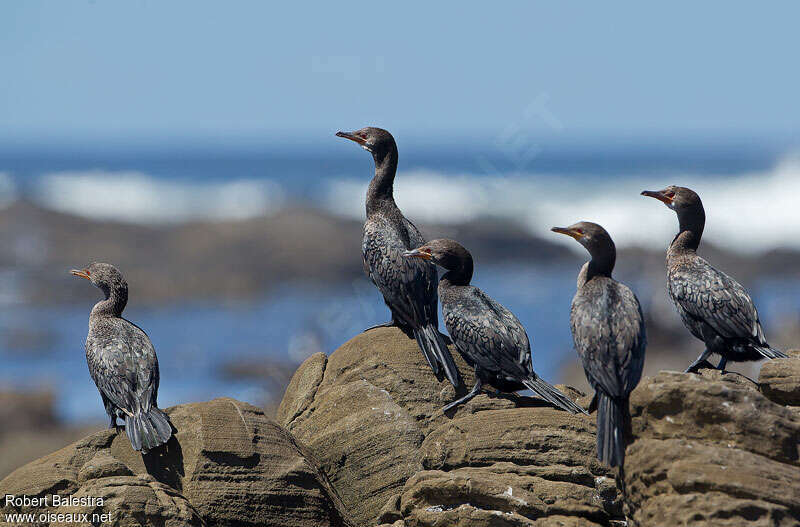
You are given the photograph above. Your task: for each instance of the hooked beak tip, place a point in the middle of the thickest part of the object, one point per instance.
(567, 231)
(657, 195)
(351, 136)
(82, 273)
(416, 253)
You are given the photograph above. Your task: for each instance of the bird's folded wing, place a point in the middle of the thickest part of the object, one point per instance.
(408, 284)
(718, 300)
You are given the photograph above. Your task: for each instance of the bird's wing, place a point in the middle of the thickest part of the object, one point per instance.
(489, 334)
(609, 335)
(124, 367)
(415, 238)
(409, 285)
(628, 322)
(715, 298)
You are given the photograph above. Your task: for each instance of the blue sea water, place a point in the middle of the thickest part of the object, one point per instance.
(194, 341)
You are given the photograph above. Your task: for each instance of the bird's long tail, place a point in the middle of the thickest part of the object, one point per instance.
(770, 353)
(434, 347)
(148, 430)
(548, 392)
(613, 423)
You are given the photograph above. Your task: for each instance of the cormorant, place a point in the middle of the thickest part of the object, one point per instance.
(123, 363)
(609, 335)
(408, 286)
(488, 336)
(714, 307)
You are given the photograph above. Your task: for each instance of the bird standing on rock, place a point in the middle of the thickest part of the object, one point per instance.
(123, 362)
(609, 335)
(488, 336)
(408, 286)
(714, 307)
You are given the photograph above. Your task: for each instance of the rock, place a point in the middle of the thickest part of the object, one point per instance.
(780, 379)
(710, 450)
(227, 464)
(371, 415)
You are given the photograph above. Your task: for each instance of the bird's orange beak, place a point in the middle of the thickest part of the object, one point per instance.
(420, 252)
(569, 232)
(659, 195)
(352, 137)
(83, 273)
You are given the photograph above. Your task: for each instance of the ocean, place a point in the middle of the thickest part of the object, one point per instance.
(747, 190)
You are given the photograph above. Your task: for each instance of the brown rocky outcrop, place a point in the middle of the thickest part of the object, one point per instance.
(711, 450)
(228, 464)
(370, 413)
(780, 379)
(365, 443)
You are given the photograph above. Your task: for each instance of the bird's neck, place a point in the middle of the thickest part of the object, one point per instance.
(380, 192)
(461, 275)
(691, 224)
(600, 266)
(113, 305)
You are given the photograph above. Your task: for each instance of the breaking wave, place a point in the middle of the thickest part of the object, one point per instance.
(138, 198)
(748, 213)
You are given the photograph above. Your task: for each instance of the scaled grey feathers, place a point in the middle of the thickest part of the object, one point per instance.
(123, 363)
(488, 336)
(609, 335)
(408, 286)
(714, 307)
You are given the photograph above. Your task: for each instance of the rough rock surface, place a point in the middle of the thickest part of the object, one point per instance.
(371, 415)
(780, 379)
(228, 464)
(711, 450)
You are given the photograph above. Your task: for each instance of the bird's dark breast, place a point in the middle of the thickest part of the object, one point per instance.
(608, 333)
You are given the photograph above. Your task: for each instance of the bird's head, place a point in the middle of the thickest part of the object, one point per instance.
(448, 254)
(676, 198)
(103, 276)
(591, 235)
(377, 141)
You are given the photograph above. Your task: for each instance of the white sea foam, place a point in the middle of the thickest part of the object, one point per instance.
(749, 212)
(138, 198)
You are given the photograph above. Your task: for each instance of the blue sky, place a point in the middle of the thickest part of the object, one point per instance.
(78, 70)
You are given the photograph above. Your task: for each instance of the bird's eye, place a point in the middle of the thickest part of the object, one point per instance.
(579, 231)
(88, 273)
(670, 194)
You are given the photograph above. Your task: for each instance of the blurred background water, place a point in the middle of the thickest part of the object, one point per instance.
(201, 339)
(192, 145)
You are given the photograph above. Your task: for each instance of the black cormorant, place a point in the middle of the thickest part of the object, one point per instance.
(123, 363)
(408, 286)
(714, 307)
(609, 335)
(488, 336)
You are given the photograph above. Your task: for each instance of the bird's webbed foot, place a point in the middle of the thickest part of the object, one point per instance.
(700, 363)
(472, 393)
